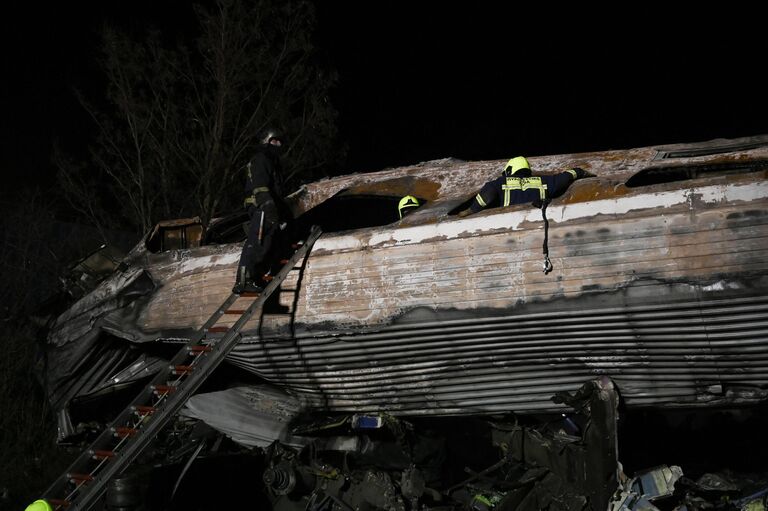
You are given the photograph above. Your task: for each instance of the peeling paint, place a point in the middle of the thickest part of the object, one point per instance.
(721, 286)
(201, 263)
(515, 220)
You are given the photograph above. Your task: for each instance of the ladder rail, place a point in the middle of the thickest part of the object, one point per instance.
(91, 485)
(124, 417)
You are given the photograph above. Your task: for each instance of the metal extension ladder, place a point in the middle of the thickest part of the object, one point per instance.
(85, 481)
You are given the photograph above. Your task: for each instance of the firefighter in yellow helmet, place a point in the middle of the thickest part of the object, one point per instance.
(39, 505)
(408, 204)
(517, 185)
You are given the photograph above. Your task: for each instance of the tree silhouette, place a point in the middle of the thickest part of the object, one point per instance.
(182, 119)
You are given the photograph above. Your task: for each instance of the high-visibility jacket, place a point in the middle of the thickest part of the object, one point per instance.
(506, 191)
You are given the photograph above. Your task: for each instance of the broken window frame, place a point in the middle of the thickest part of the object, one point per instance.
(662, 175)
(696, 150)
(190, 234)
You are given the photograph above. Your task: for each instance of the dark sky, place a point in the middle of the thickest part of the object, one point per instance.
(422, 81)
(480, 83)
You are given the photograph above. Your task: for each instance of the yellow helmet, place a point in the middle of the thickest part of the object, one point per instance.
(517, 167)
(409, 201)
(39, 505)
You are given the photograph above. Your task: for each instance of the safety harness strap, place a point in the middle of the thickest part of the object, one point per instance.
(252, 198)
(523, 184)
(545, 248)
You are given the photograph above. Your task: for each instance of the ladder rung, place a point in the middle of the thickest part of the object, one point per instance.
(144, 410)
(217, 329)
(163, 389)
(267, 278)
(284, 261)
(56, 503)
(181, 369)
(125, 432)
(199, 349)
(239, 312)
(103, 455)
(249, 294)
(79, 478)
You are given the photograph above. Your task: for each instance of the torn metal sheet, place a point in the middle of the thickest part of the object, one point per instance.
(80, 357)
(657, 482)
(584, 465)
(252, 416)
(639, 493)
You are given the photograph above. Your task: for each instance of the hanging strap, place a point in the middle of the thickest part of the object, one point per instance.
(545, 248)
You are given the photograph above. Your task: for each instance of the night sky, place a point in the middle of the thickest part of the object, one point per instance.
(422, 81)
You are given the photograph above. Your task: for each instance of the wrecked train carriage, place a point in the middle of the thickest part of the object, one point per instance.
(659, 281)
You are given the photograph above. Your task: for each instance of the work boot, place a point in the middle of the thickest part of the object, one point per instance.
(252, 287)
(245, 283)
(249, 287)
(240, 279)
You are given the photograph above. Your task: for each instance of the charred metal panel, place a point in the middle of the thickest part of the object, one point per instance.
(77, 362)
(252, 416)
(706, 351)
(494, 261)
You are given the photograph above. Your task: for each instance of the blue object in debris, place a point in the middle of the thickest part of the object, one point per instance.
(366, 421)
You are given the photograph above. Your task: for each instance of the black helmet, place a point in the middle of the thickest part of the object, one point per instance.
(271, 134)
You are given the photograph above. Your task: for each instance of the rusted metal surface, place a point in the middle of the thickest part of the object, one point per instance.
(453, 179)
(661, 287)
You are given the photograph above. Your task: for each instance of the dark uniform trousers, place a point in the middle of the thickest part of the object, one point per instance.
(262, 231)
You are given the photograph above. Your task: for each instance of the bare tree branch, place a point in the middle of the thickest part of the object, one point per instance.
(183, 119)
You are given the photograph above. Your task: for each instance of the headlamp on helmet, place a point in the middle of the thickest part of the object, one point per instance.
(271, 135)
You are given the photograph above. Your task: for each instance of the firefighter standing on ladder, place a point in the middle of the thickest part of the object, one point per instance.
(264, 204)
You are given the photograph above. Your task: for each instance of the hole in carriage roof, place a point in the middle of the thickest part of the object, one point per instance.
(659, 175)
(342, 212)
(346, 211)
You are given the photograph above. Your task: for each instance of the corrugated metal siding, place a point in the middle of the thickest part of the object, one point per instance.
(679, 354)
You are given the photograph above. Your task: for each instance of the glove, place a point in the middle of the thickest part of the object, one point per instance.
(581, 173)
